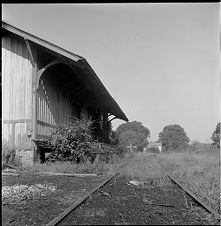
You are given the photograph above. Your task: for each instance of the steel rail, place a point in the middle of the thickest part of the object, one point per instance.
(199, 201)
(61, 216)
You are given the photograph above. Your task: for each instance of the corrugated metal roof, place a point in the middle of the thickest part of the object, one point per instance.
(110, 104)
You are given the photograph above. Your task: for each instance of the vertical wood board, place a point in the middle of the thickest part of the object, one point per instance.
(53, 106)
(15, 80)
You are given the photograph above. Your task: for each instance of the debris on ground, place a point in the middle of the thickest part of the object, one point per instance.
(105, 194)
(16, 193)
(136, 182)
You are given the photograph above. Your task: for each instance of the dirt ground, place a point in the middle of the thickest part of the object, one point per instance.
(43, 209)
(155, 203)
(119, 202)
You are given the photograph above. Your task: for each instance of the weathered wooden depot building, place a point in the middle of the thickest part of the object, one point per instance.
(43, 85)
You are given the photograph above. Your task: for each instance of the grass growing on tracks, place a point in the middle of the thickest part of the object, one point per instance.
(199, 172)
(144, 166)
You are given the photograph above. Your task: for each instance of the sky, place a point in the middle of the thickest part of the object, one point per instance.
(159, 61)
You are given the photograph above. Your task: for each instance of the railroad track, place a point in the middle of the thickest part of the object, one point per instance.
(61, 216)
(64, 214)
(199, 201)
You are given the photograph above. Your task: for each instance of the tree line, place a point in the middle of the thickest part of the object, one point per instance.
(173, 137)
(75, 142)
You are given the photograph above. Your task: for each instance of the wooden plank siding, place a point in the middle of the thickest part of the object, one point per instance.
(16, 92)
(43, 86)
(53, 106)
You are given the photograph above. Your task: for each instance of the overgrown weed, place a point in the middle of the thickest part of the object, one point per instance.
(144, 166)
(199, 172)
(98, 167)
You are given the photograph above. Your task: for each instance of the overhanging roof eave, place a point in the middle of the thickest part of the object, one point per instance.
(110, 103)
(41, 42)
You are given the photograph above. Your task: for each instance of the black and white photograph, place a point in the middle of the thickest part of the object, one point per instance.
(111, 113)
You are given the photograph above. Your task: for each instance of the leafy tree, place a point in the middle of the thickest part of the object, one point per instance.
(173, 137)
(216, 136)
(133, 133)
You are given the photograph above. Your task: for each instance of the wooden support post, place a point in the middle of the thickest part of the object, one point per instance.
(34, 100)
(34, 96)
(34, 92)
(34, 110)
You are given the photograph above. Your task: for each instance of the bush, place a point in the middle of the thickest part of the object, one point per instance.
(8, 153)
(73, 142)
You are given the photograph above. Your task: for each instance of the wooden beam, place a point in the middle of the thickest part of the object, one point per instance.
(34, 102)
(70, 174)
(47, 124)
(41, 71)
(9, 174)
(16, 121)
(68, 61)
(30, 52)
(112, 119)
